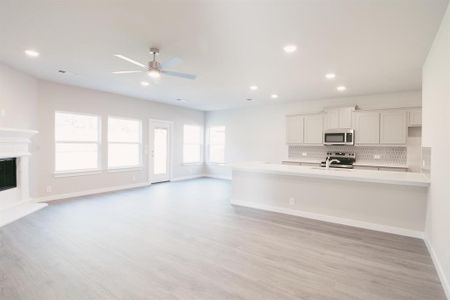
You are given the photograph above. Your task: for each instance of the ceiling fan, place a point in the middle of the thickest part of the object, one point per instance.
(154, 69)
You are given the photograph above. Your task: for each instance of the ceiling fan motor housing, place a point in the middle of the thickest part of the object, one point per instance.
(154, 65)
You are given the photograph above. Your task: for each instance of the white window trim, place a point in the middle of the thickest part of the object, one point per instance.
(78, 172)
(202, 146)
(140, 165)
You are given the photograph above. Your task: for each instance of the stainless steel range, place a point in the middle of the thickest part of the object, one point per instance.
(339, 160)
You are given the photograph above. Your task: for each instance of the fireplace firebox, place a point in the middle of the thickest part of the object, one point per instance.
(8, 173)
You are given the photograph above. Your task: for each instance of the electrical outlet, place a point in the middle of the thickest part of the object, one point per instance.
(292, 201)
(377, 156)
(304, 153)
(49, 189)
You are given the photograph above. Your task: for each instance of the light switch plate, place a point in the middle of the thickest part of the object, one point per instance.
(304, 153)
(377, 156)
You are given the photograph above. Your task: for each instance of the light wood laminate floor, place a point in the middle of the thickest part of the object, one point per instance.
(184, 240)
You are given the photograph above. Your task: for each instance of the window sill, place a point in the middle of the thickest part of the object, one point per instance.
(77, 173)
(125, 169)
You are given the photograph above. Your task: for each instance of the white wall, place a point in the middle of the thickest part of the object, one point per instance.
(258, 133)
(18, 99)
(57, 97)
(436, 127)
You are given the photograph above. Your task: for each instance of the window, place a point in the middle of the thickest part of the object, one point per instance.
(216, 149)
(77, 142)
(192, 144)
(124, 143)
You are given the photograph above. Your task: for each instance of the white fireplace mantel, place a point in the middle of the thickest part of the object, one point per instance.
(15, 142)
(15, 203)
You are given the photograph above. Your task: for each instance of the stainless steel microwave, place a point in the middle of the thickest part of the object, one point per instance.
(342, 136)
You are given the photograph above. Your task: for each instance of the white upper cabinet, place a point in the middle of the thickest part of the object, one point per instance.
(367, 127)
(345, 117)
(313, 129)
(415, 117)
(338, 117)
(393, 127)
(294, 129)
(331, 119)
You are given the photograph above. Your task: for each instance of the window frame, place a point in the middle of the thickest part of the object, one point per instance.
(140, 164)
(209, 144)
(200, 146)
(84, 171)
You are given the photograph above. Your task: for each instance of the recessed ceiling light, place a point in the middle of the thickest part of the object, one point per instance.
(253, 87)
(32, 53)
(290, 48)
(330, 76)
(341, 88)
(274, 96)
(144, 83)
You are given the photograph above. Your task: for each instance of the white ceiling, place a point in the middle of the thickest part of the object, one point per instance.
(373, 46)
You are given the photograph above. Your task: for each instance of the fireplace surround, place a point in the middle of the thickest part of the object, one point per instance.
(15, 201)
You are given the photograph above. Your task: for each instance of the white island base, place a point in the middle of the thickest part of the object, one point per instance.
(393, 207)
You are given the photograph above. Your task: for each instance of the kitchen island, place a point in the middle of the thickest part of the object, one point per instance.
(386, 201)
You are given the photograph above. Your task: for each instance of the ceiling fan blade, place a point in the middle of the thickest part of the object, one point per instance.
(178, 74)
(126, 72)
(171, 63)
(130, 60)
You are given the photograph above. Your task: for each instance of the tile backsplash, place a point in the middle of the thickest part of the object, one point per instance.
(391, 156)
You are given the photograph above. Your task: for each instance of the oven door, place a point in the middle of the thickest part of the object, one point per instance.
(335, 138)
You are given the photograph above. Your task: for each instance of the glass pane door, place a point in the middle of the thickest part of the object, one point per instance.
(160, 151)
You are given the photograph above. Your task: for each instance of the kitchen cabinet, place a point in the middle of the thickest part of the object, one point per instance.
(313, 129)
(338, 117)
(415, 117)
(331, 119)
(294, 129)
(367, 127)
(393, 127)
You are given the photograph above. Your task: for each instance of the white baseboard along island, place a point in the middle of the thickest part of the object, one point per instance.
(393, 202)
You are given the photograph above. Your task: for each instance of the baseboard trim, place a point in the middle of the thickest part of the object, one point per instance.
(219, 177)
(444, 281)
(106, 190)
(89, 192)
(181, 178)
(331, 219)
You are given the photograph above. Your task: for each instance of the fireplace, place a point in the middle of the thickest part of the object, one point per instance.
(8, 173)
